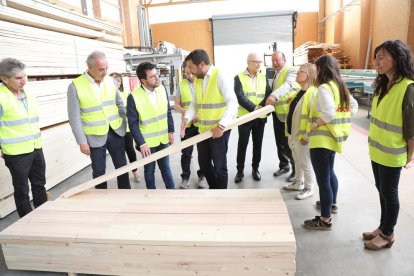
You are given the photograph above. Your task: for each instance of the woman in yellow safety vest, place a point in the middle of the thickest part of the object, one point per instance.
(296, 122)
(128, 140)
(391, 134)
(328, 127)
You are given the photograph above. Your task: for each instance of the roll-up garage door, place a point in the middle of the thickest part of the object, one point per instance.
(236, 35)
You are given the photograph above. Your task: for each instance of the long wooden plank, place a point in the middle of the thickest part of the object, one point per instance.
(170, 150)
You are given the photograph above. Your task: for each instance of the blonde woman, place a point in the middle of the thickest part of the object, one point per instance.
(296, 121)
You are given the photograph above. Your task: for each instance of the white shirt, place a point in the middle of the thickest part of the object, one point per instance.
(226, 90)
(326, 104)
(286, 87)
(97, 88)
(152, 96)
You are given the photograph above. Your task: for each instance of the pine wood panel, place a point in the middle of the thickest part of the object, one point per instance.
(224, 240)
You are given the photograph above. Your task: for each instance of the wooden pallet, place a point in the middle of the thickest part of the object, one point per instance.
(156, 232)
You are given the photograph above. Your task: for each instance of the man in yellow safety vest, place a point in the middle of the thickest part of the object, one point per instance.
(20, 143)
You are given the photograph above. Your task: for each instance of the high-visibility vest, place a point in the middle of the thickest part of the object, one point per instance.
(282, 104)
(282, 78)
(153, 121)
(304, 113)
(124, 96)
(210, 106)
(19, 128)
(387, 145)
(253, 94)
(333, 134)
(186, 97)
(98, 112)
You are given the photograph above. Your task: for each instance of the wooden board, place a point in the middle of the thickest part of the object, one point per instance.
(156, 232)
(170, 150)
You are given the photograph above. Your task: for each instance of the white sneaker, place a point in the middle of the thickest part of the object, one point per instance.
(202, 183)
(304, 194)
(184, 184)
(294, 186)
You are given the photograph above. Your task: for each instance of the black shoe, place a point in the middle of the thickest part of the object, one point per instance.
(256, 174)
(291, 177)
(280, 172)
(239, 177)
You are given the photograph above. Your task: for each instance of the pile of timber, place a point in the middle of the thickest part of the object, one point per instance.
(156, 232)
(54, 43)
(310, 51)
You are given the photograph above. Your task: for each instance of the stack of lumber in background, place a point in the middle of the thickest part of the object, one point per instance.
(54, 52)
(310, 51)
(156, 232)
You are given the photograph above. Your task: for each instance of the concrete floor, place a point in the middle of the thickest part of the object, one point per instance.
(336, 252)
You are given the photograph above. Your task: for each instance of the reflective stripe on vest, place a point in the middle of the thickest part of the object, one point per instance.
(98, 112)
(211, 105)
(333, 134)
(153, 121)
(304, 114)
(186, 97)
(253, 94)
(387, 145)
(19, 128)
(282, 105)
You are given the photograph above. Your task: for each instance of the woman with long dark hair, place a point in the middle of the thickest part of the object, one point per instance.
(328, 128)
(391, 134)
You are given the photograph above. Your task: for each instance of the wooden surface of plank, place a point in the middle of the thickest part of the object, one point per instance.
(156, 232)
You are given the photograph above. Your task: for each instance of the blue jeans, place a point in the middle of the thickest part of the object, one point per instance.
(186, 153)
(212, 157)
(323, 164)
(164, 165)
(115, 146)
(386, 181)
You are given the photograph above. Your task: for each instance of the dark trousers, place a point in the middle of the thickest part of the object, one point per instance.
(187, 153)
(256, 127)
(24, 167)
(283, 150)
(129, 148)
(114, 144)
(212, 157)
(386, 181)
(164, 165)
(323, 164)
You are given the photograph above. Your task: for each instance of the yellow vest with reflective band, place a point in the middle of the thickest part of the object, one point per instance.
(124, 96)
(19, 129)
(210, 106)
(98, 111)
(153, 121)
(253, 94)
(332, 135)
(387, 145)
(305, 112)
(282, 105)
(186, 97)
(282, 78)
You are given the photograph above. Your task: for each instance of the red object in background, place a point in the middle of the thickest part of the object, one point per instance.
(133, 83)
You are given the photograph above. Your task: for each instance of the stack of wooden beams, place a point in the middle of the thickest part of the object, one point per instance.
(54, 43)
(309, 52)
(48, 53)
(156, 232)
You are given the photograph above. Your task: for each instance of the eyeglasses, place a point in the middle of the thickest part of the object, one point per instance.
(256, 61)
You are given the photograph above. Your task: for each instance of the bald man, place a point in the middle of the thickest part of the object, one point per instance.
(283, 82)
(251, 89)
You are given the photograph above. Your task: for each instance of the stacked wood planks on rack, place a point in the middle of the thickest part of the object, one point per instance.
(156, 232)
(310, 51)
(54, 51)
